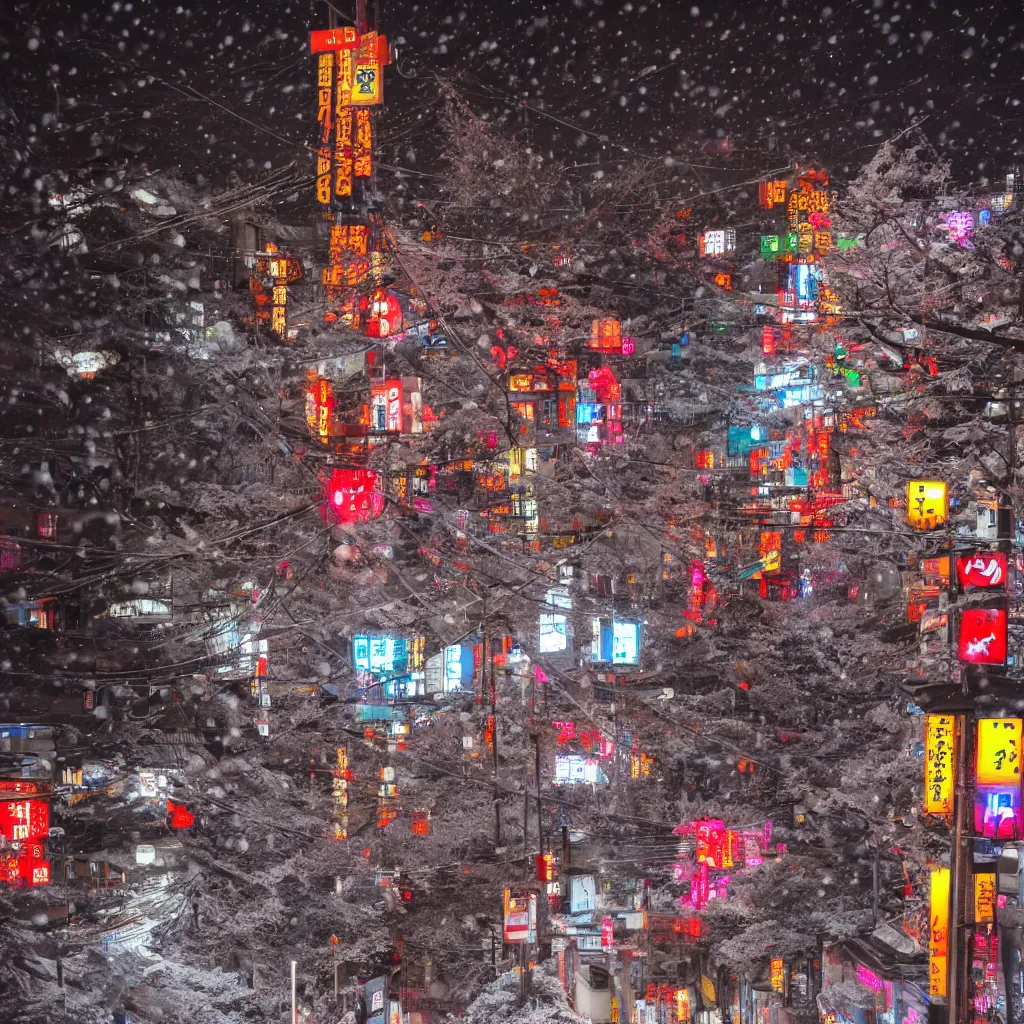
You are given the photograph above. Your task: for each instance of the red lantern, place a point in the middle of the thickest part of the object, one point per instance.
(383, 313)
(983, 636)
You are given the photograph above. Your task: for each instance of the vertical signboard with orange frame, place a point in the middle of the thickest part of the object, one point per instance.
(939, 768)
(938, 942)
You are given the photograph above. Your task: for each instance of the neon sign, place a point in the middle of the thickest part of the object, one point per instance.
(24, 820)
(982, 569)
(983, 636)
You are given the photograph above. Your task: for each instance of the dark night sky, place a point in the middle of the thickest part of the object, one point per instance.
(654, 79)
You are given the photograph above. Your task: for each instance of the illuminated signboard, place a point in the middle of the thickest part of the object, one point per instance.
(339, 791)
(382, 313)
(997, 806)
(24, 820)
(26, 870)
(940, 752)
(325, 118)
(571, 769)
(983, 636)
(582, 894)
(553, 632)
(367, 80)
(349, 77)
(375, 995)
(807, 212)
(546, 867)
(718, 242)
(625, 643)
(999, 752)
(938, 942)
(982, 569)
(386, 406)
(960, 226)
(617, 642)
(743, 440)
(351, 496)
(605, 384)
(330, 39)
(374, 654)
(640, 765)
(710, 836)
(683, 1010)
(772, 194)
(272, 273)
(320, 404)
(458, 666)
(869, 979)
(348, 256)
(984, 897)
(997, 813)
(927, 503)
(520, 920)
(384, 653)
(778, 974)
(606, 336)
(802, 284)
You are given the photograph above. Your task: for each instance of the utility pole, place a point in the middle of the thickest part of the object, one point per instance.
(1011, 446)
(295, 1012)
(535, 737)
(956, 870)
(874, 890)
(526, 819)
(489, 680)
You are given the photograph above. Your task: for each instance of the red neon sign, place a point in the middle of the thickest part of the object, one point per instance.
(351, 496)
(342, 38)
(982, 569)
(983, 636)
(710, 842)
(24, 820)
(25, 871)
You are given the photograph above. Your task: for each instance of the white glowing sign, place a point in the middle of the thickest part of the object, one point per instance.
(718, 242)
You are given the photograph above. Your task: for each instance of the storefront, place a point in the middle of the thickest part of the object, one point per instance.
(867, 982)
